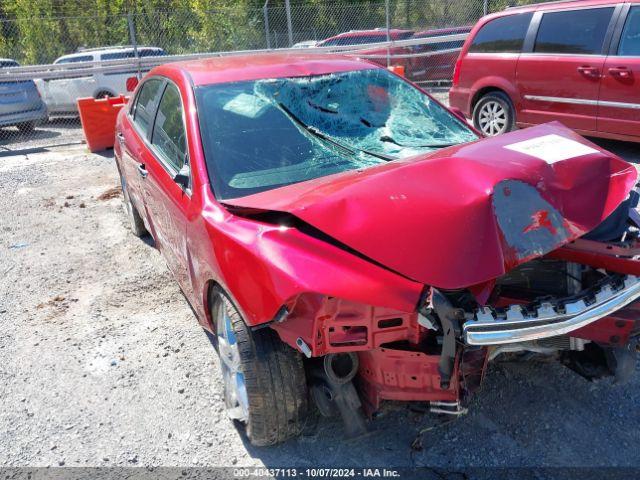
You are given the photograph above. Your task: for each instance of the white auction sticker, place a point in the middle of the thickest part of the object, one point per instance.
(551, 148)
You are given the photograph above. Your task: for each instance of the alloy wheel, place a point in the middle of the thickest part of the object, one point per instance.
(235, 389)
(492, 118)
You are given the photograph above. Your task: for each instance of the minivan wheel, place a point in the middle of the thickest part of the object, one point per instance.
(265, 387)
(135, 220)
(494, 114)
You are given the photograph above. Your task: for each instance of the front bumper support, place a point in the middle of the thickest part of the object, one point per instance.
(519, 323)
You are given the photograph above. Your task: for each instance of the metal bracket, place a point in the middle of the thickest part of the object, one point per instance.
(450, 318)
(448, 408)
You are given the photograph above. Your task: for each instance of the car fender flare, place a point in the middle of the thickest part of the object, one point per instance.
(210, 289)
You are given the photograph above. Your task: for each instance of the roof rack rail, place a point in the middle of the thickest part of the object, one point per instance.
(95, 49)
(540, 3)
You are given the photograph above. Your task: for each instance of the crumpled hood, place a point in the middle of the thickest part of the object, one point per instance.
(466, 214)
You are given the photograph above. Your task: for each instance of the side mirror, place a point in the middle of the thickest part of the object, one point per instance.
(183, 176)
(131, 83)
(458, 113)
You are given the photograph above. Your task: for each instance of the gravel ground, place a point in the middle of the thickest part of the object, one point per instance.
(102, 362)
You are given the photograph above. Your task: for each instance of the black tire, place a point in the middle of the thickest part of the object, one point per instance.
(274, 377)
(135, 220)
(494, 114)
(26, 127)
(103, 94)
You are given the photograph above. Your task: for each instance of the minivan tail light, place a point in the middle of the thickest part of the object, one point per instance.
(456, 71)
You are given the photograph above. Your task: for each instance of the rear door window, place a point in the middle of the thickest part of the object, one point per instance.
(145, 104)
(150, 52)
(142, 52)
(168, 132)
(82, 58)
(368, 39)
(630, 40)
(579, 32)
(343, 41)
(502, 35)
(117, 55)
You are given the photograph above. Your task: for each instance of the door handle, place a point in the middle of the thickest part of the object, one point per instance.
(621, 72)
(141, 170)
(588, 71)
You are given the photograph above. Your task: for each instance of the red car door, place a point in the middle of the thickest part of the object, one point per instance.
(166, 184)
(558, 73)
(619, 104)
(131, 139)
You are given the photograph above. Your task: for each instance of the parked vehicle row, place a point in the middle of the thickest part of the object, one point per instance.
(577, 62)
(61, 94)
(427, 62)
(28, 103)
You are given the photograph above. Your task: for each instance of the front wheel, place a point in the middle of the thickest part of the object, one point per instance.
(494, 114)
(265, 386)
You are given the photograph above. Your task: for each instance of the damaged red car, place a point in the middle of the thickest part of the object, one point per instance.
(347, 239)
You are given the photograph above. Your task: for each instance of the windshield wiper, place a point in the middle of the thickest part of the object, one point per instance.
(323, 136)
(386, 138)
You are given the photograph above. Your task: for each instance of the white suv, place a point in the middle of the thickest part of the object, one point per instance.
(60, 95)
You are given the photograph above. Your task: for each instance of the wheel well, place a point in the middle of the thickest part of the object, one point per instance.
(212, 291)
(482, 92)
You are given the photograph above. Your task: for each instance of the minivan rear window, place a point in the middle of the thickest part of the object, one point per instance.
(573, 31)
(502, 35)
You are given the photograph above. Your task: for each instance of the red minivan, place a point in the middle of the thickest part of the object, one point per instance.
(575, 61)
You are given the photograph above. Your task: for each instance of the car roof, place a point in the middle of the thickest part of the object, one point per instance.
(373, 31)
(234, 68)
(560, 4)
(364, 33)
(100, 51)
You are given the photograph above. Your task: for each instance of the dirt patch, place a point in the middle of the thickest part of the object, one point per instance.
(110, 193)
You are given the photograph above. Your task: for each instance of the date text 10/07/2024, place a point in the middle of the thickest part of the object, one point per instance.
(316, 472)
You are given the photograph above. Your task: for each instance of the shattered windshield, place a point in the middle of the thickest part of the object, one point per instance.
(263, 134)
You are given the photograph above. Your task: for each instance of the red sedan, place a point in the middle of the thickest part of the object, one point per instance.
(347, 239)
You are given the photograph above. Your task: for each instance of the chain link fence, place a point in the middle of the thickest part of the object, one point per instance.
(287, 26)
(63, 58)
